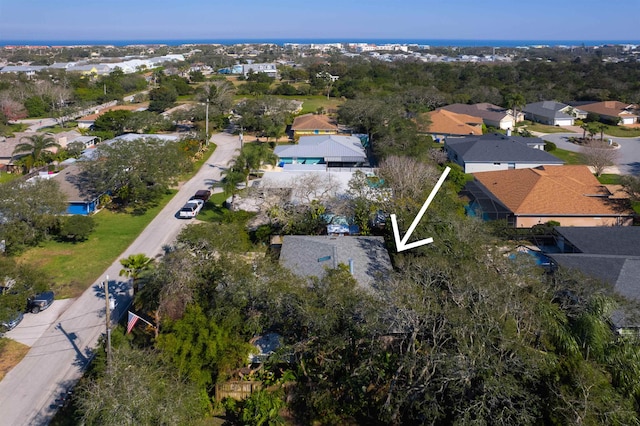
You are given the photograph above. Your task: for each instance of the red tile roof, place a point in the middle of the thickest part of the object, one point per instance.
(554, 190)
(451, 123)
(313, 122)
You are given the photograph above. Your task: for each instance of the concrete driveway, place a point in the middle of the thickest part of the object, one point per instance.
(628, 161)
(33, 326)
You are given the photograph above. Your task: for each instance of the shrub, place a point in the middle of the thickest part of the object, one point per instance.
(549, 146)
(76, 228)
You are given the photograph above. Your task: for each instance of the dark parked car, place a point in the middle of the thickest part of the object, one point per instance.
(202, 194)
(12, 322)
(40, 301)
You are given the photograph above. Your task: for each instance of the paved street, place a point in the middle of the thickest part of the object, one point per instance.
(628, 160)
(58, 356)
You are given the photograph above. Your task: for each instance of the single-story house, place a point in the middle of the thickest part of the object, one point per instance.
(613, 111)
(28, 70)
(498, 152)
(366, 257)
(81, 200)
(553, 113)
(90, 69)
(87, 121)
(268, 68)
(304, 183)
(569, 195)
(85, 141)
(610, 254)
(331, 150)
(313, 124)
(492, 115)
(8, 144)
(443, 123)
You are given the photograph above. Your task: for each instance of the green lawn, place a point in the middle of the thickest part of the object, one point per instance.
(621, 132)
(68, 125)
(74, 267)
(312, 103)
(309, 103)
(609, 179)
(543, 128)
(569, 157)
(8, 177)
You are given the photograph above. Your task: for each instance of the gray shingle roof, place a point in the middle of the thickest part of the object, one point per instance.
(310, 255)
(548, 109)
(499, 148)
(74, 186)
(611, 240)
(610, 254)
(601, 267)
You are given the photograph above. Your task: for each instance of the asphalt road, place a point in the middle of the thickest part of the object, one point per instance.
(59, 353)
(628, 161)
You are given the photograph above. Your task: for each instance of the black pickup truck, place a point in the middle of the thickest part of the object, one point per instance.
(40, 301)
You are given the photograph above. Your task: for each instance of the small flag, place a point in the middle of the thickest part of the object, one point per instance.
(133, 318)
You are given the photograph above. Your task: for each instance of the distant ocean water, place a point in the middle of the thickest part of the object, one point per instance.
(282, 41)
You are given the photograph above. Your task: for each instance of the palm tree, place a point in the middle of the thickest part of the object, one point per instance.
(515, 101)
(230, 182)
(133, 267)
(584, 127)
(601, 127)
(35, 148)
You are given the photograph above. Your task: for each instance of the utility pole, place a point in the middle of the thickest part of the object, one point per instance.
(108, 322)
(207, 123)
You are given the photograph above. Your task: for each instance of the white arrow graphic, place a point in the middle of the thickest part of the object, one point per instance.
(402, 245)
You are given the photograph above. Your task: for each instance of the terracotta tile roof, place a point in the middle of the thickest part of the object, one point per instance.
(92, 117)
(313, 122)
(610, 108)
(555, 190)
(451, 123)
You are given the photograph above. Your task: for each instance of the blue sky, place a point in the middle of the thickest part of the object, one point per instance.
(344, 19)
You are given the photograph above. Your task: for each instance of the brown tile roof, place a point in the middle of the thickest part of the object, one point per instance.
(313, 122)
(555, 190)
(451, 123)
(92, 117)
(610, 108)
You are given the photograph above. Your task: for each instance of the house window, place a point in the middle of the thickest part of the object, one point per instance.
(512, 165)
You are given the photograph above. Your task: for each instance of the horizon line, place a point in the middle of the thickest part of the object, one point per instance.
(318, 40)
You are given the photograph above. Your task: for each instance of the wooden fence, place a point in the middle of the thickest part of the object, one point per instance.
(236, 389)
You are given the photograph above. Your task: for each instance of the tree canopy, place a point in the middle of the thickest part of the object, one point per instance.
(137, 172)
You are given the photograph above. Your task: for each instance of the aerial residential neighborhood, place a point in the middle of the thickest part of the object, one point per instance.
(319, 232)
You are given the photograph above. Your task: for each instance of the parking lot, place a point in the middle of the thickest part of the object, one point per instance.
(34, 325)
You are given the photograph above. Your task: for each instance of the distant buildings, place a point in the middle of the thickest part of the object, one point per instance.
(127, 66)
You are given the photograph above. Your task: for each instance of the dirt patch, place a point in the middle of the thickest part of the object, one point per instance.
(11, 353)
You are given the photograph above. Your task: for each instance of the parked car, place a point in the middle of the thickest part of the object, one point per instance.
(40, 301)
(191, 209)
(12, 322)
(202, 194)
